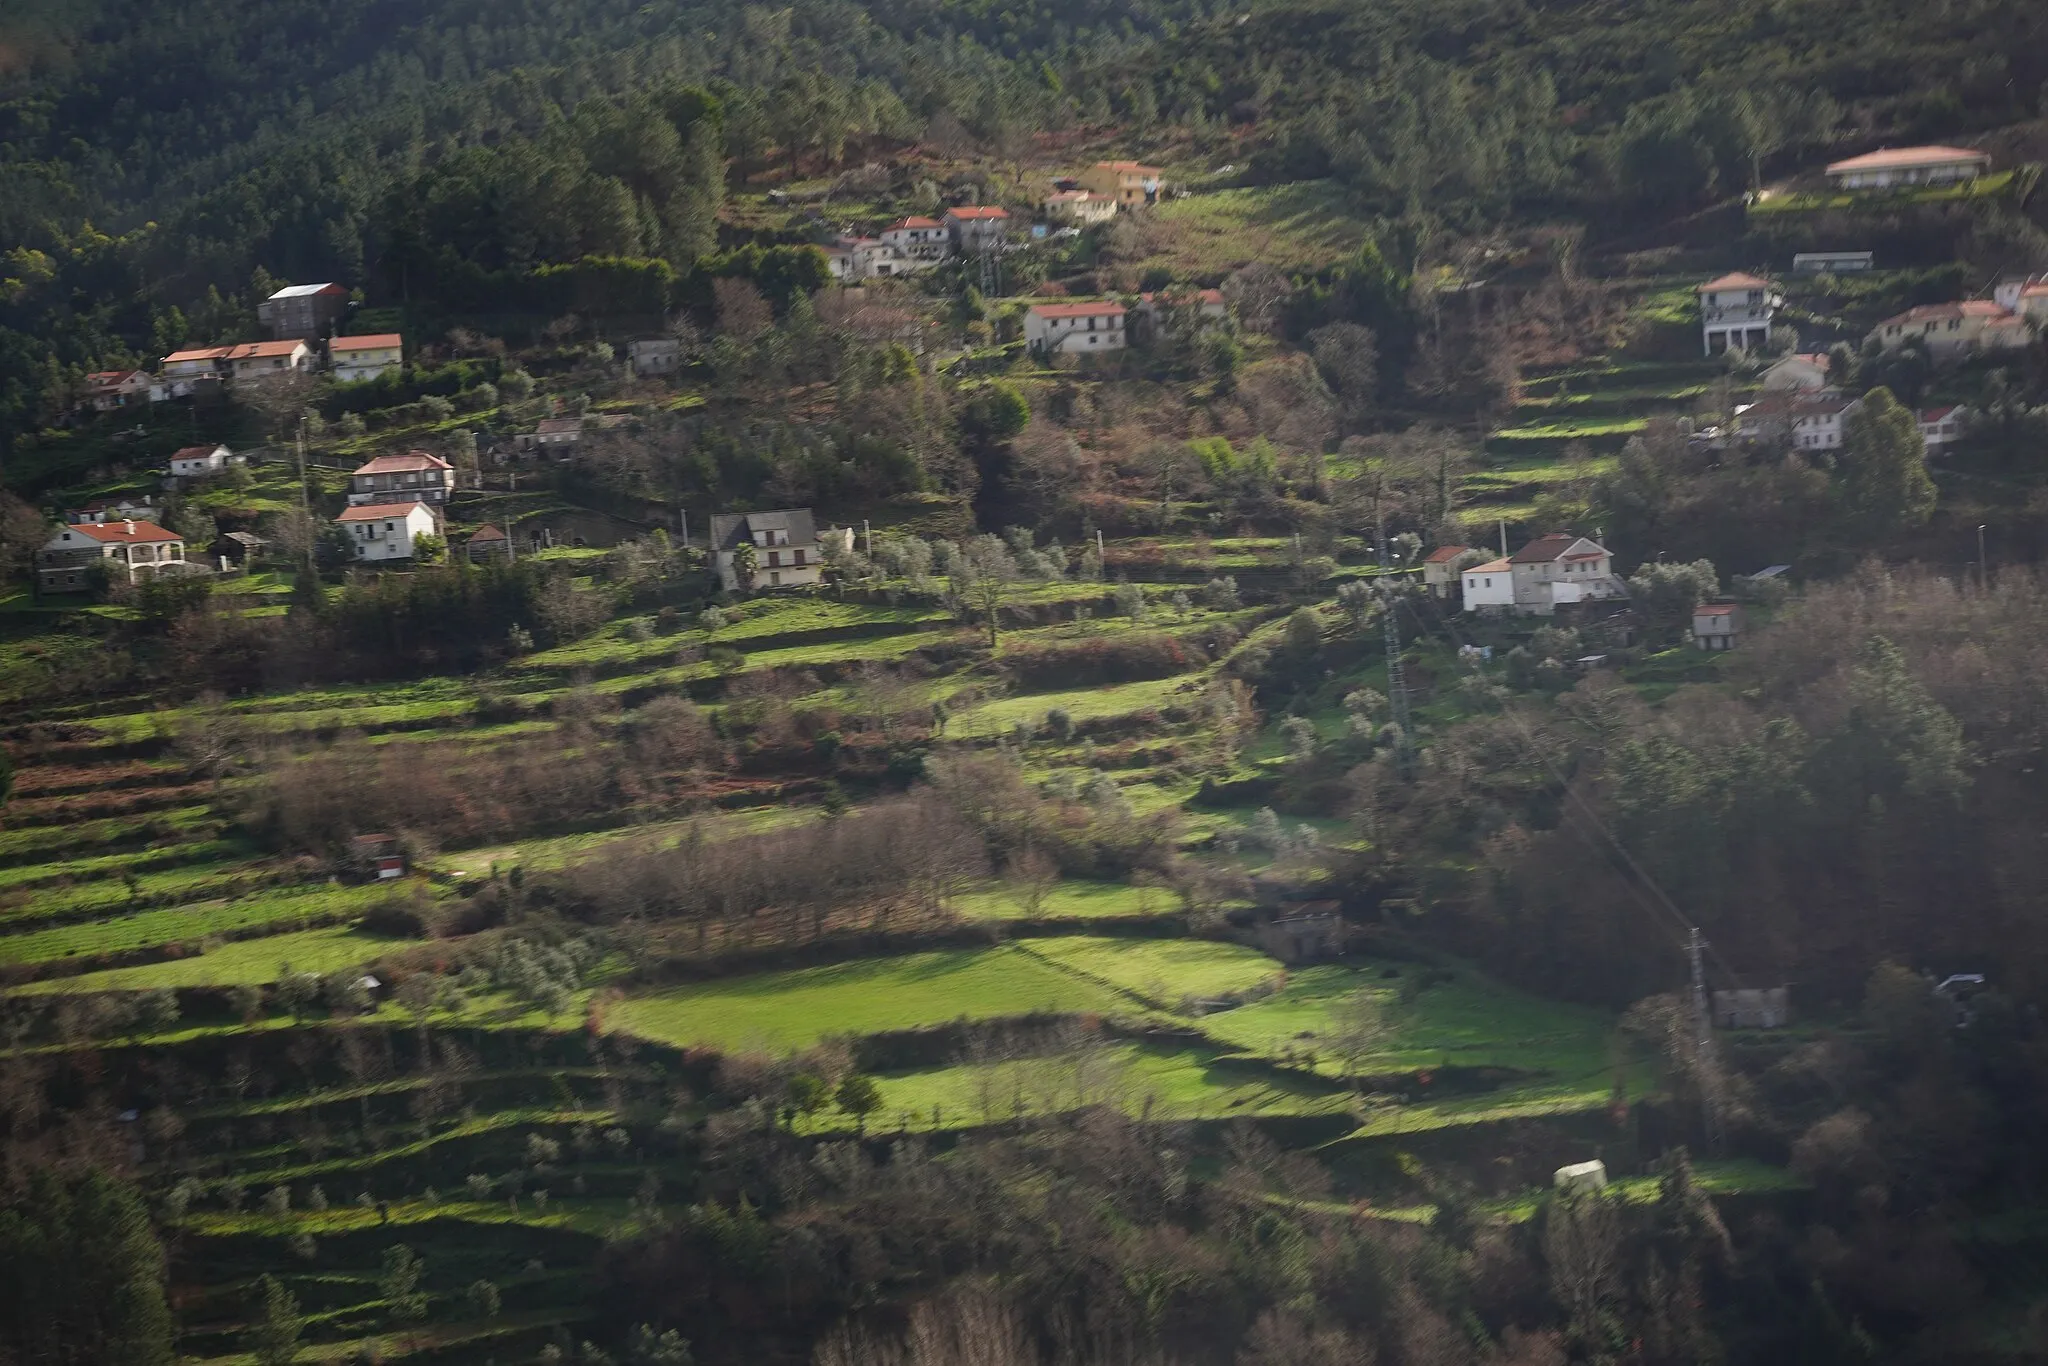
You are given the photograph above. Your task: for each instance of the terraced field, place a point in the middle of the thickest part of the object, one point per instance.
(503, 1135)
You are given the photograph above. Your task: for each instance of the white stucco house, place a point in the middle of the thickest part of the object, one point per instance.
(387, 531)
(359, 358)
(133, 550)
(1560, 569)
(196, 462)
(1716, 625)
(919, 241)
(1943, 426)
(1893, 167)
(785, 547)
(413, 477)
(1489, 586)
(1736, 312)
(1074, 329)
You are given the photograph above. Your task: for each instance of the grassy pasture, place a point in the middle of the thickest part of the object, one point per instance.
(1068, 899)
(786, 1011)
(1302, 224)
(1160, 972)
(246, 962)
(1169, 1083)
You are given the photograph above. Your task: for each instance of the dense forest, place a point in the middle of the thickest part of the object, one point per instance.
(155, 160)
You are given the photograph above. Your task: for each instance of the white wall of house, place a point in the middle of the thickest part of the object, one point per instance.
(1489, 585)
(351, 366)
(1057, 333)
(390, 537)
(193, 467)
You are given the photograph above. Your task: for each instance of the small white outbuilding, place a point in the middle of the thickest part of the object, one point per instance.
(1581, 1176)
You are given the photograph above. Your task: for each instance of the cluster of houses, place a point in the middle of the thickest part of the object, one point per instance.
(1802, 409)
(917, 243)
(1557, 572)
(302, 320)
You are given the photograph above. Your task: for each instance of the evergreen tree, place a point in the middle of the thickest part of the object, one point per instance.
(81, 1275)
(1882, 488)
(274, 1340)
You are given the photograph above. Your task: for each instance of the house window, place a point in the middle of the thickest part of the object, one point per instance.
(798, 559)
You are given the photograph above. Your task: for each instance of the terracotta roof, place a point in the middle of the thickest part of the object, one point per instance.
(1444, 554)
(1127, 167)
(198, 353)
(1074, 196)
(1491, 567)
(1891, 158)
(1544, 549)
(1101, 309)
(1931, 415)
(487, 532)
(108, 378)
(1714, 609)
(556, 426)
(1588, 555)
(196, 452)
(125, 532)
(376, 341)
(1737, 280)
(404, 464)
(377, 512)
(914, 221)
(261, 350)
(978, 211)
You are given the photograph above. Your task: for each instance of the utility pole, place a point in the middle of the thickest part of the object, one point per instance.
(1397, 679)
(1983, 565)
(305, 499)
(1703, 1042)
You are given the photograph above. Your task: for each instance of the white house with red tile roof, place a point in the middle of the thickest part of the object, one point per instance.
(919, 239)
(1489, 586)
(184, 370)
(196, 462)
(1074, 329)
(414, 477)
(1891, 167)
(1078, 206)
(1440, 569)
(1558, 569)
(1950, 330)
(1130, 183)
(360, 358)
(387, 531)
(266, 360)
(971, 227)
(133, 550)
(1943, 426)
(1736, 312)
(111, 389)
(1716, 625)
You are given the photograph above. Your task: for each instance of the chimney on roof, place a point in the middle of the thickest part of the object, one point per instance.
(131, 526)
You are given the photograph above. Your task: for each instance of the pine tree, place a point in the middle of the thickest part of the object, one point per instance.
(274, 1340)
(1882, 487)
